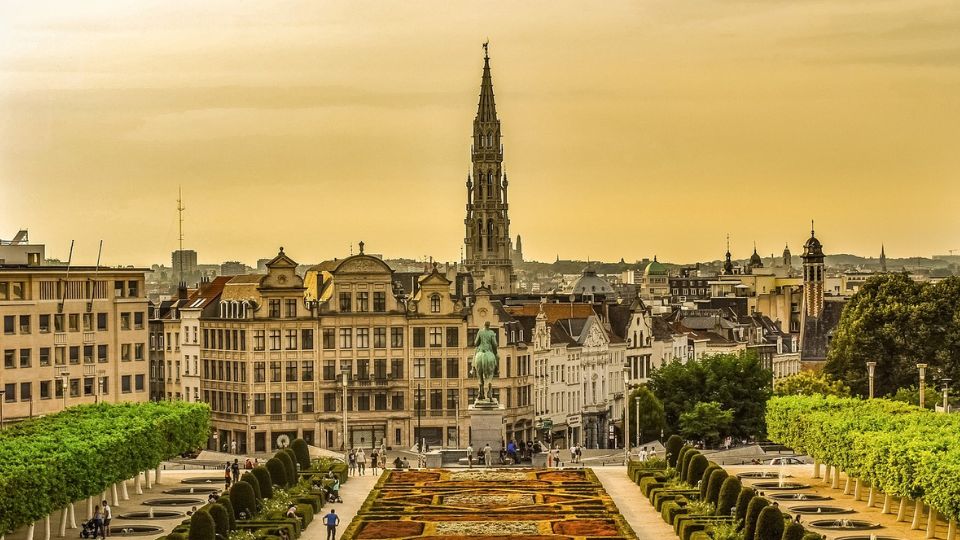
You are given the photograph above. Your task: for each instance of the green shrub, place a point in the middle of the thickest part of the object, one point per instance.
(278, 472)
(249, 478)
(729, 530)
(299, 447)
(769, 524)
(743, 501)
(716, 479)
(220, 519)
(202, 526)
(682, 458)
(695, 469)
(306, 512)
(810, 535)
(289, 465)
(700, 535)
(175, 536)
(243, 499)
(757, 504)
(227, 505)
(673, 446)
(794, 531)
(687, 528)
(263, 481)
(704, 480)
(701, 508)
(727, 498)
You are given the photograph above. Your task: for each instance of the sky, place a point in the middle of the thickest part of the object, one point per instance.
(631, 128)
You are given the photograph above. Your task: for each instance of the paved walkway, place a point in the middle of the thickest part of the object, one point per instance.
(353, 493)
(634, 507)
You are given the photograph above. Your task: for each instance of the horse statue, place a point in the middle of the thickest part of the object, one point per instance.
(485, 362)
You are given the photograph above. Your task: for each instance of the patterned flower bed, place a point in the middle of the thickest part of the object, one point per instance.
(487, 504)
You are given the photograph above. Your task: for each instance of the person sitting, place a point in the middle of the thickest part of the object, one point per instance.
(397, 463)
(405, 464)
(292, 513)
(283, 534)
(192, 511)
(248, 464)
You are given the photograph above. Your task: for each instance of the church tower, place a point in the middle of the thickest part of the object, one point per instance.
(489, 251)
(813, 275)
(883, 259)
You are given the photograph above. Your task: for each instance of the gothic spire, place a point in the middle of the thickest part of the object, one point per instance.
(487, 109)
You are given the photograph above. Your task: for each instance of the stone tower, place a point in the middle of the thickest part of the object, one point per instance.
(883, 259)
(787, 257)
(489, 251)
(728, 262)
(813, 275)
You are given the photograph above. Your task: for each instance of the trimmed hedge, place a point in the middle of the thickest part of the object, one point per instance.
(249, 478)
(685, 462)
(299, 447)
(695, 469)
(227, 505)
(220, 519)
(243, 499)
(672, 447)
(717, 478)
(727, 498)
(289, 460)
(264, 481)
(278, 472)
(794, 531)
(743, 501)
(51, 461)
(705, 479)
(757, 504)
(769, 524)
(202, 526)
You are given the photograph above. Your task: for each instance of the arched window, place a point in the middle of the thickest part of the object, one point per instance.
(490, 234)
(489, 185)
(435, 303)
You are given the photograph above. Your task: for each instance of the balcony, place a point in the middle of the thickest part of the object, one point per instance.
(367, 381)
(88, 338)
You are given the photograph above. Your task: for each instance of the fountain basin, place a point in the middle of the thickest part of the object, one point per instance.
(152, 514)
(135, 530)
(760, 475)
(820, 509)
(845, 524)
(203, 480)
(201, 490)
(786, 486)
(173, 501)
(799, 497)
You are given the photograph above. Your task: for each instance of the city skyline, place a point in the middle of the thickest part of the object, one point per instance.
(748, 119)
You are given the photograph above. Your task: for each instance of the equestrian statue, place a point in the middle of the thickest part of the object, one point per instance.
(485, 363)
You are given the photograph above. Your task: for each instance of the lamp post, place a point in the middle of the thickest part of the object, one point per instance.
(946, 394)
(636, 401)
(871, 367)
(419, 432)
(923, 382)
(345, 377)
(626, 414)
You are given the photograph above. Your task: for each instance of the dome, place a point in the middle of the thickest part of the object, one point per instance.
(590, 283)
(755, 259)
(655, 269)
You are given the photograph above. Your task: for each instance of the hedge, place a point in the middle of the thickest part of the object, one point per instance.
(727, 498)
(794, 531)
(757, 504)
(705, 479)
(743, 501)
(202, 526)
(299, 447)
(249, 478)
(52, 461)
(682, 458)
(717, 478)
(289, 465)
(769, 524)
(220, 519)
(243, 499)
(900, 449)
(264, 481)
(695, 469)
(672, 447)
(227, 505)
(278, 472)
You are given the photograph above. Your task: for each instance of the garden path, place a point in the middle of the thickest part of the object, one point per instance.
(353, 493)
(636, 509)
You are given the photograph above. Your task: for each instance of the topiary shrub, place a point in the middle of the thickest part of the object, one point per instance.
(794, 531)
(769, 524)
(704, 480)
(716, 479)
(243, 500)
(263, 481)
(299, 447)
(278, 472)
(743, 501)
(227, 505)
(810, 535)
(175, 536)
(202, 526)
(727, 498)
(249, 478)
(673, 446)
(685, 454)
(695, 469)
(289, 461)
(757, 504)
(220, 519)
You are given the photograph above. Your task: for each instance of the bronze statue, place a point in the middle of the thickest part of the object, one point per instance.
(485, 362)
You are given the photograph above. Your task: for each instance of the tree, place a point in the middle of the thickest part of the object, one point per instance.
(652, 419)
(249, 478)
(911, 395)
(729, 491)
(807, 383)
(757, 504)
(278, 472)
(738, 382)
(288, 459)
(707, 422)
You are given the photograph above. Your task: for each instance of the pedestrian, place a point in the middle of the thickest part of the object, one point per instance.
(361, 461)
(374, 460)
(579, 453)
(573, 453)
(352, 460)
(226, 476)
(383, 458)
(556, 456)
(487, 455)
(331, 520)
(107, 516)
(98, 522)
(512, 451)
(469, 456)
(233, 447)
(235, 469)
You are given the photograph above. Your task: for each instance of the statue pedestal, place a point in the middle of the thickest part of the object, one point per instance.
(486, 425)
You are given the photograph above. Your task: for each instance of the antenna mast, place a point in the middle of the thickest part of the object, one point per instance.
(180, 210)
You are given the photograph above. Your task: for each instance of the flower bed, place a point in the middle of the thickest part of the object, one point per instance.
(526, 504)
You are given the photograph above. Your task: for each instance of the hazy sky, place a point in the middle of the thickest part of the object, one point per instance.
(630, 128)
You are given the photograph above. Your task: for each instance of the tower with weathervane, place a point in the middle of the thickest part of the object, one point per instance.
(813, 275)
(488, 250)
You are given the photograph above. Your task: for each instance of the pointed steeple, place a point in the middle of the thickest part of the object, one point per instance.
(883, 259)
(487, 109)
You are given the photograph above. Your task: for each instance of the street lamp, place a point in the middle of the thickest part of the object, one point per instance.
(345, 377)
(946, 393)
(923, 382)
(871, 367)
(637, 402)
(419, 429)
(626, 414)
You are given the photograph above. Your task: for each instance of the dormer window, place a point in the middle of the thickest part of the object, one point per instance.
(435, 303)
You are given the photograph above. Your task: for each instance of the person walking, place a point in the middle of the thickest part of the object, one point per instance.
(226, 476)
(352, 460)
(374, 460)
(361, 461)
(469, 456)
(98, 522)
(488, 455)
(331, 520)
(107, 517)
(556, 456)
(235, 469)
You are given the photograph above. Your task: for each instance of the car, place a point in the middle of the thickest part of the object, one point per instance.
(786, 461)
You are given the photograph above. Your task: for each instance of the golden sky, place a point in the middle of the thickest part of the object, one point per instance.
(630, 128)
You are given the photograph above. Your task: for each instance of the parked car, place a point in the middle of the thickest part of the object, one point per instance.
(787, 461)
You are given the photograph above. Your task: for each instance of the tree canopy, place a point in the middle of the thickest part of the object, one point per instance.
(707, 422)
(807, 383)
(736, 382)
(650, 409)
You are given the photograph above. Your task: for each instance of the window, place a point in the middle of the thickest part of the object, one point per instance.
(306, 339)
(453, 336)
(9, 358)
(259, 404)
(44, 356)
(345, 302)
(259, 339)
(380, 337)
(24, 324)
(101, 322)
(275, 371)
(420, 337)
(133, 288)
(44, 324)
(45, 389)
(291, 339)
(306, 370)
(125, 352)
(307, 402)
(10, 392)
(88, 322)
(8, 324)
(25, 359)
(363, 402)
(74, 355)
(329, 370)
(346, 366)
(346, 338)
(453, 368)
(363, 301)
(138, 351)
(436, 400)
(274, 308)
(380, 368)
(379, 301)
(275, 404)
(26, 391)
(396, 337)
(292, 406)
(138, 383)
(435, 303)
(60, 356)
(259, 372)
(124, 384)
(88, 354)
(397, 402)
(290, 307)
(329, 339)
(138, 320)
(291, 371)
(275, 340)
(363, 338)
(453, 400)
(396, 368)
(436, 336)
(329, 402)
(436, 368)
(124, 321)
(419, 368)
(380, 401)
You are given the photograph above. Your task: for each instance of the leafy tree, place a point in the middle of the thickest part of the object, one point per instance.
(289, 465)
(202, 526)
(707, 422)
(729, 491)
(807, 383)
(249, 478)
(794, 531)
(227, 505)
(652, 419)
(738, 382)
(743, 502)
(695, 467)
(911, 395)
(717, 478)
(672, 447)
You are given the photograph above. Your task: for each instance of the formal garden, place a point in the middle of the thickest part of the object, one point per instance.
(488, 504)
